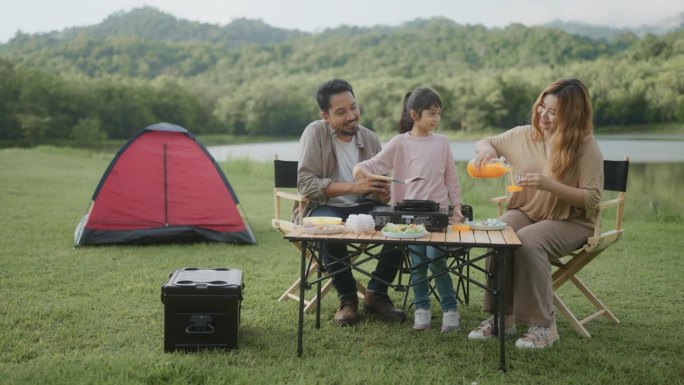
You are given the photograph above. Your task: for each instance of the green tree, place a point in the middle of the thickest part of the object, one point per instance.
(34, 127)
(88, 131)
(9, 91)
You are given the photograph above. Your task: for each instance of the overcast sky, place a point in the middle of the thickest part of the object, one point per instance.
(31, 16)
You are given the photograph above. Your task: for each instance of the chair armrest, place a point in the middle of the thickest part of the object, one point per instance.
(603, 240)
(498, 200)
(283, 226)
(291, 196)
(611, 203)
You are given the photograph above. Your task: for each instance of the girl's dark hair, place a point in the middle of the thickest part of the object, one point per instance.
(419, 100)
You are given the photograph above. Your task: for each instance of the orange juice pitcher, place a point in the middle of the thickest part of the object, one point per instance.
(494, 168)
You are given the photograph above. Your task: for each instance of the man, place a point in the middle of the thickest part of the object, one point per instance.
(328, 150)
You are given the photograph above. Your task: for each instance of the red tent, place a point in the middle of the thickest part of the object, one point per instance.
(163, 186)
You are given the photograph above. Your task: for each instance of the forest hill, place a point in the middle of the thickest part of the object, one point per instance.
(109, 80)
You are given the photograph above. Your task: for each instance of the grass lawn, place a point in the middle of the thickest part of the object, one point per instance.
(93, 315)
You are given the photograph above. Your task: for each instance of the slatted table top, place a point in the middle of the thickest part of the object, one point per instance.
(472, 238)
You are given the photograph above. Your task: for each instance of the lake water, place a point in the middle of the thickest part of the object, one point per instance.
(655, 183)
(639, 151)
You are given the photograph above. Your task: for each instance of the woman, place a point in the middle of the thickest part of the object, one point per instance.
(560, 168)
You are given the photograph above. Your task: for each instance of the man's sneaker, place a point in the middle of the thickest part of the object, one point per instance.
(381, 305)
(347, 312)
(422, 319)
(538, 337)
(451, 321)
(486, 330)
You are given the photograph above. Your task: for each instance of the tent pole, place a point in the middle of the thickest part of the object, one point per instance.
(166, 192)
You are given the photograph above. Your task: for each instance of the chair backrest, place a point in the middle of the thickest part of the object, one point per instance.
(285, 172)
(615, 175)
(285, 177)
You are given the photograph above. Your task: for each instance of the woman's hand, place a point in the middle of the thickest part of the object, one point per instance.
(572, 195)
(534, 180)
(484, 151)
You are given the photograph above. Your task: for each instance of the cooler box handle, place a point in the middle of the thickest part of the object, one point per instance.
(200, 324)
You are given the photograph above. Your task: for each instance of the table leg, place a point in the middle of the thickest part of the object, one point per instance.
(319, 247)
(501, 256)
(302, 284)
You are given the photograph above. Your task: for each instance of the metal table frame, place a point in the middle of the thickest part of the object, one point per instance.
(500, 245)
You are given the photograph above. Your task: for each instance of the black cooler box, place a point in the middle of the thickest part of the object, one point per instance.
(202, 309)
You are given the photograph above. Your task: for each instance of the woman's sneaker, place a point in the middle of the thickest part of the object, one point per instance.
(451, 321)
(422, 319)
(486, 330)
(538, 337)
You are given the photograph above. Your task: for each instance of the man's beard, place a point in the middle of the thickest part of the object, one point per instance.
(349, 128)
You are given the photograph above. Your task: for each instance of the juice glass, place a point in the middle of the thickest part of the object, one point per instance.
(513, 185)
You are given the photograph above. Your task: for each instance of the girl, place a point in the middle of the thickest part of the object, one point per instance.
(417, 151)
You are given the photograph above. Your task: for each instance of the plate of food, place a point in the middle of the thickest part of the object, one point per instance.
(487, 224)
(325, 228)
(392, 230)
(322, 220)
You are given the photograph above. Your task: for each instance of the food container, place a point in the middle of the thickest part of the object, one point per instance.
(360, 223)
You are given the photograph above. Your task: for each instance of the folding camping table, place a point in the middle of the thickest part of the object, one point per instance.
(499, 244)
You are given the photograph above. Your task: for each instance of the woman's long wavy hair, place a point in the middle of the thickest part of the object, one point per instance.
(419, 100)
(574, 124)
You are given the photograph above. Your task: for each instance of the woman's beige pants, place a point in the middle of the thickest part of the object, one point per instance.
(529, 290)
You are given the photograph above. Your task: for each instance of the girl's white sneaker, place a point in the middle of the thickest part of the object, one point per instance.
(451, 321)
(422, 319)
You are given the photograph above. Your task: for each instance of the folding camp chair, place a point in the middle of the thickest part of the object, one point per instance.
(285, 185)
(567, 267)
(457, 257)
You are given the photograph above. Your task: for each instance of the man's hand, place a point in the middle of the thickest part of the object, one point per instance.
(368, 183)
(381, 191)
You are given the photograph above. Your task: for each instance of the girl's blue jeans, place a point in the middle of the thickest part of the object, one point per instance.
(443, 283)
